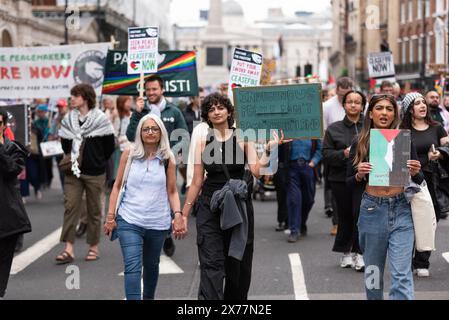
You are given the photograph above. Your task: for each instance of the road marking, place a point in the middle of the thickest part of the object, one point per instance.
(446, 256)
(299, 284)
(24, 259)
(166, 266)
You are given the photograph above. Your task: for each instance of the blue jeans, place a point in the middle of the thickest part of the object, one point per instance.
(300, 196)
(386, 228)
(140, 245)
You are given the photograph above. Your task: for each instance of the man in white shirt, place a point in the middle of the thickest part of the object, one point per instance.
(333, 109)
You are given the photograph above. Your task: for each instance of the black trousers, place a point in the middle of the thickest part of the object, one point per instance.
(329, 199)
(280, 182)
(218, 270)
(347, 238)
(7, 247)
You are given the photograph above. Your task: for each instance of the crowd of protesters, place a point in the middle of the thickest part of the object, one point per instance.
(123, 151)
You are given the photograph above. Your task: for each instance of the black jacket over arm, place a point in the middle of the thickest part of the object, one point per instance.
(13, 217)
(357, 188)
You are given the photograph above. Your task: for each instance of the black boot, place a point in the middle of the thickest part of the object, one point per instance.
(169, 247)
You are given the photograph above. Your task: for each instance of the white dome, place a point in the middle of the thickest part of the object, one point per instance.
(232, 8)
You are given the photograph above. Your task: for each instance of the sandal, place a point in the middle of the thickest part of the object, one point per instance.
(92, 255)
(64, 258)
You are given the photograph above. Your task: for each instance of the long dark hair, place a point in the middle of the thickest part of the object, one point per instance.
(217, 99)
(363, 140)
(407, 120)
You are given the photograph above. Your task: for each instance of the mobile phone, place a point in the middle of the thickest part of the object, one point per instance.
(433, 148)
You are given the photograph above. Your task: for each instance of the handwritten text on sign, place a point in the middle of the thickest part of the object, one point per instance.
(296, 109)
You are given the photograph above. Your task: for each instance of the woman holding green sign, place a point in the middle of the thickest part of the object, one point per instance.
(385, 221)
(225, 254)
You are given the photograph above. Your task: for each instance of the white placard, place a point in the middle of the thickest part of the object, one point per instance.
(381, 65)
(142, 49)
(45, 72)
(246, 69)
(51, 148)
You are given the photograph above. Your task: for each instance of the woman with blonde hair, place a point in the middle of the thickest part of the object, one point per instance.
(142, 214)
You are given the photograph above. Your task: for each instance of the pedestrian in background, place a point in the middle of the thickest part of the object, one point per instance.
(87, 132)
(144, 215)
(336, 146)
(13, 218)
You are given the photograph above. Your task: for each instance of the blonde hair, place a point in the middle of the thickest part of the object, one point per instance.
(163, 148)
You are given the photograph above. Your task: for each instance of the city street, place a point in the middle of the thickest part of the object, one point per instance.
(281, 271)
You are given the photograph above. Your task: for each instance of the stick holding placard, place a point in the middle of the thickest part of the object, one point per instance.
(142, 82)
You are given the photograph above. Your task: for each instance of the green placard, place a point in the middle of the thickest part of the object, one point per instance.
(296, 109)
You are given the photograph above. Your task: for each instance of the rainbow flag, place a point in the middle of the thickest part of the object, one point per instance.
(176, 68)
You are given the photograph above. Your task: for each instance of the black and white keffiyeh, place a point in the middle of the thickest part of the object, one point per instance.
(95, 125)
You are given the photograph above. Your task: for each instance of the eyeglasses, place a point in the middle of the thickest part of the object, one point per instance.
(358, 103)
(150, 130)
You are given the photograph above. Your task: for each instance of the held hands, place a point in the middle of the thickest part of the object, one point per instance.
(179, 226)
(140, 104)
(413, 167)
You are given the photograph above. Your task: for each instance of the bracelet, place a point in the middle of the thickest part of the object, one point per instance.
(178, 211)
(189, 203)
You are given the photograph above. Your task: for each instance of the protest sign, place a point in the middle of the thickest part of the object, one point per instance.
(246, 69)
(381, 65)
(18, 121)
(43, 72)
(142, 49)
(51, 148)
(389, 152)
(176, 68)
(296, 109)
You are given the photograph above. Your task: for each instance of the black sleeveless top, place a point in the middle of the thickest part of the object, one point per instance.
(216, 153)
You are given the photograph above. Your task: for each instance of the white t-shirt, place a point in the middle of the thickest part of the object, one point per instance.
(333, 111)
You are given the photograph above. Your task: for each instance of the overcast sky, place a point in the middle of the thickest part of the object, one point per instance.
(188, 10)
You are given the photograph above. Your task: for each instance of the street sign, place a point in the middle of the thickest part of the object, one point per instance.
(142, 49)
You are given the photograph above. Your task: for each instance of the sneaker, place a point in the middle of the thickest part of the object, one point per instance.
(328, 212)
(303, 231)
(169, 247)
(334, 230)
(39, 195)
(81, 229)
(359, 264)
(346, 261)
(293, 237)
(422, 273)
(282, 226)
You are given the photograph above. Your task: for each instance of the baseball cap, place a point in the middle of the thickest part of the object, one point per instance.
(42, 107)
(61, 103)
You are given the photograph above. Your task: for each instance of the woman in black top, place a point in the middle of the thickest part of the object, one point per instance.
(336, 146)
(385, 220)
(221, 146)
(425, 132)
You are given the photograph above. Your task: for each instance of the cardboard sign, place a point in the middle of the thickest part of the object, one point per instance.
(176, 68)
(381, 65)
(246, 69)
(51, 148)
(388, 154)
(296, 109)
(142, 50)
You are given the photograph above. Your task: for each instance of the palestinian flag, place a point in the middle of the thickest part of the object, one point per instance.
(389, 152)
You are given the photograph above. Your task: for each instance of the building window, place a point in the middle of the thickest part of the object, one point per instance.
(428, 49)
(419, 10)
(402, 12)
(420, 49)
(404, 52)
(440, 7)
(214, 56)
(411, 51)
(427, 8)
(410, 11)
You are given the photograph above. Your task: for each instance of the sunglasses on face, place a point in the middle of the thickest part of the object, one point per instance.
(149, 130)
